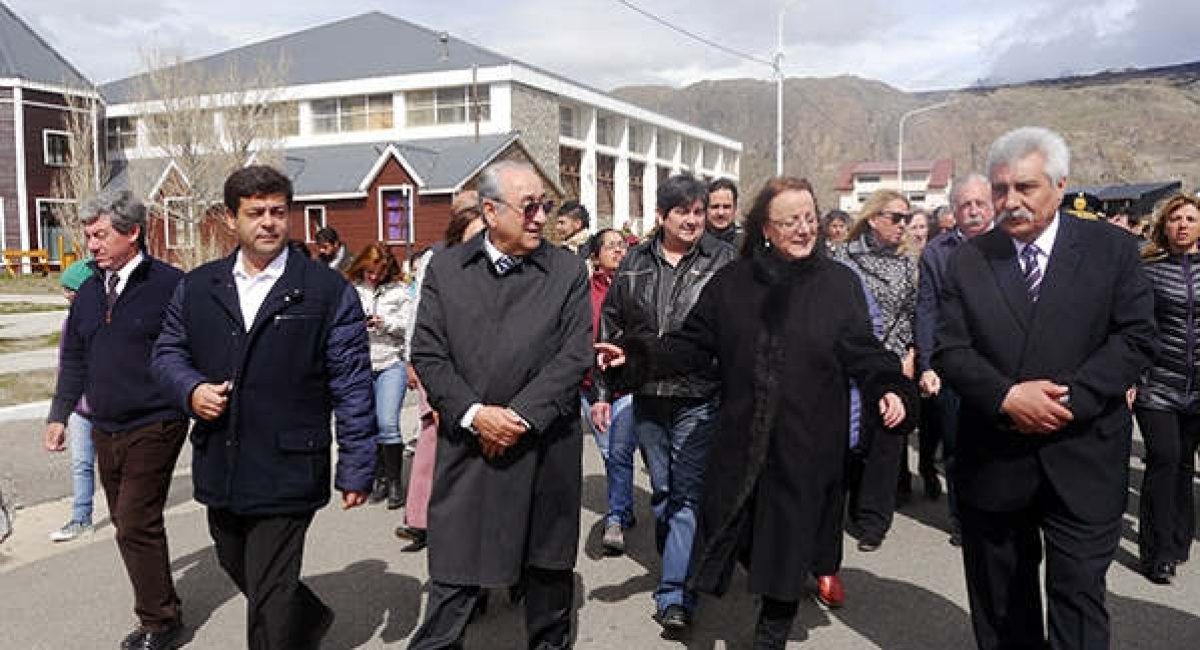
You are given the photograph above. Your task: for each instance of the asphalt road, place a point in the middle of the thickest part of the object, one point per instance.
(909, 595)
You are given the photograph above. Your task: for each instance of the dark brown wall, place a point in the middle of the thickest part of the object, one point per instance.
(8, 170)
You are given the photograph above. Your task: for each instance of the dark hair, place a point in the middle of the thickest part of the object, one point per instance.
(724, 184)
(597, 240)
(835, 215)
(458, 225)
(575, 210)
(327, 236)
(756, 219)
(255, 180)
(680, 190)
(371, 255)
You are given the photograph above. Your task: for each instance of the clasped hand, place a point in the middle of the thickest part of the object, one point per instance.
(210, 400)
(499, 428)
(1035, 408)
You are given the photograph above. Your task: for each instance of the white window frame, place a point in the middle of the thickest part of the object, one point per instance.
(342, 113)
(191, 224)
(310, 233)
(134, 124)
(46, 133)
(3, 224)
(37, 210)
(410, 191)
(440, 102)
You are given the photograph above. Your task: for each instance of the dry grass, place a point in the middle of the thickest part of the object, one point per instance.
(29, 342)
(31, 386)
(30, 284)
(28, 307)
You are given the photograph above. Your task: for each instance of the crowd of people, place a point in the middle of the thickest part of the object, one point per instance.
(769, 369)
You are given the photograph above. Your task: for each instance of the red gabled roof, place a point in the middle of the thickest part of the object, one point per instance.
(940, 171)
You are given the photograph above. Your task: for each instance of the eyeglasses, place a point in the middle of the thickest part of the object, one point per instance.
(787, 225)
(531, 209)
(897, 217)
(615, 246)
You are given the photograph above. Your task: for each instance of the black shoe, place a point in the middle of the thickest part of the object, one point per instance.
(395, 494)
(379, 492)
(674, 619)
(133, 639)
(164, 639)
(870, 544)
(1159, 573)
(415, 536)
(955, 537)
(321, 628)
(933, 487)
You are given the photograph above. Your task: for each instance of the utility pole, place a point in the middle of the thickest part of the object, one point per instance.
(777, 63)
(900, 141)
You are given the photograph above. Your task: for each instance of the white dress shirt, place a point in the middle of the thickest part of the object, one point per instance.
(124, 272)
(1045, 244)
(252, 291)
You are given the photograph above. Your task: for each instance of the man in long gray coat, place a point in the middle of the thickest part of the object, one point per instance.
(503, 338)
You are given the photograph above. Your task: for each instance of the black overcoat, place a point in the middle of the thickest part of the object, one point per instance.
(521, 340)
(787, 338)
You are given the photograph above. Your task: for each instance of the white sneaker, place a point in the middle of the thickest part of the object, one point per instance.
(72, 530)
(614, 539)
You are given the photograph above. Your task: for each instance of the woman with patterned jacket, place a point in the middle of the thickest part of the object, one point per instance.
(873, 250)
(1168, 399)
(385, 300)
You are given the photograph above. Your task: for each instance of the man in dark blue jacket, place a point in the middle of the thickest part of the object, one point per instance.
(137, 430)
(260, 347)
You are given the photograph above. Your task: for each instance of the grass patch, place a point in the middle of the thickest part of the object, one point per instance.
(24, 387)
(30, 284)
(30, 343)
(28, 307)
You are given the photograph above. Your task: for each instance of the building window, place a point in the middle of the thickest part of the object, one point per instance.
(56, 148)
(710, 157)
(448, 105)
(868, 179)
(122, 133)
(395, 215)
(729, 162)
(603, 128)
(51, 234)
(566, 122)
(667, 143)
(179, 229)
(637, 137)
(355, 113)
(314, 220)
(284, 119)
(689, 153)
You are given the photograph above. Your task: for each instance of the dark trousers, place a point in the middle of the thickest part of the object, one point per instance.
(873, 484)
(1166, 514)
(549, 595)
(774, 623)
(1001, 555)
(939, 424)
(135, 469)
(262, 554)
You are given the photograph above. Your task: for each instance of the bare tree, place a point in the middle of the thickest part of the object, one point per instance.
(199, 126)
(86, 171)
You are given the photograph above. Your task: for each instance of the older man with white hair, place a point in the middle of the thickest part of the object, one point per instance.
(1046, 321)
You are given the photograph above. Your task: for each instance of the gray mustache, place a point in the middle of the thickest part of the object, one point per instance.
(1023, 215)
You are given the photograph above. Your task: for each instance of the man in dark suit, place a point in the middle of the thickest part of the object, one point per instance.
(972, 203)
(137, 429)
(1046, 321)
(260, 348)
(503, 338)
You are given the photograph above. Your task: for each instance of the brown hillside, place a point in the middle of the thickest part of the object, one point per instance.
(1127, 126)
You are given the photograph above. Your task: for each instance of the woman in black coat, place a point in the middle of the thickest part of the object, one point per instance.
(789, 327)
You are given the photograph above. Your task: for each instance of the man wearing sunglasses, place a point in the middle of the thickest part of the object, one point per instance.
(502, 341)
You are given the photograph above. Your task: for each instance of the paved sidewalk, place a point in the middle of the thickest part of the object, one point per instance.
(19, 326)
(35, 298)
(39, 359)
(909, 595)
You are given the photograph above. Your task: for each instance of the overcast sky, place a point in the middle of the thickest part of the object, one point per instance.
(911, 44)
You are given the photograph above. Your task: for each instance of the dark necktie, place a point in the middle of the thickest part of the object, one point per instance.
(111, 281)
(1032, 271)
(506, 263)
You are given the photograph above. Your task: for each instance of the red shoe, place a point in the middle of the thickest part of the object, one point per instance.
(830, 591)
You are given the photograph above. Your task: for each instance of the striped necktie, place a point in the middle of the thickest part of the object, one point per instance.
(111, 281)
(1032, 272)
(506, 263)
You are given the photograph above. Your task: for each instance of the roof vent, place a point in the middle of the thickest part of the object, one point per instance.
(444, 43)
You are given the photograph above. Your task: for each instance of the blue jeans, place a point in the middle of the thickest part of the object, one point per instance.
(675, 435)
(83, 466)
(616, 447)
(390, 385)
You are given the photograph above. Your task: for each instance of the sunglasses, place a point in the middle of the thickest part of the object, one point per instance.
(897, 217)
(530, 209)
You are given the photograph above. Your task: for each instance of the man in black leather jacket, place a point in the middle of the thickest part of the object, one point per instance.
(654, 290)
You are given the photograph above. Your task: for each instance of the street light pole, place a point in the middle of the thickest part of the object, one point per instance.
(778, 65)
(900, 141)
